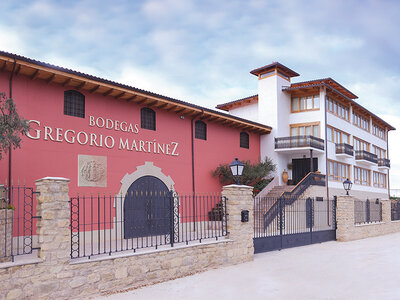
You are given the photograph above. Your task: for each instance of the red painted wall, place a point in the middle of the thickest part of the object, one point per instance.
(37, 100)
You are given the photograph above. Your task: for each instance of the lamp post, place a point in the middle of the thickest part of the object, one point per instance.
(347, 186)
(237, 169)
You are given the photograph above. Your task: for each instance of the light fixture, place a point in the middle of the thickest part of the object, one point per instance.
(347, 186)
(237, 169)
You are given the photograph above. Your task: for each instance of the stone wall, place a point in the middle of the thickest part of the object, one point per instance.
(348, 231)
(56, 277)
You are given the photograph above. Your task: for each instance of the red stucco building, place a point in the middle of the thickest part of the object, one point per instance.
(100, 133)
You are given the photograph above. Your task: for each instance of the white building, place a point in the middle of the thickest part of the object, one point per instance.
(318, 119)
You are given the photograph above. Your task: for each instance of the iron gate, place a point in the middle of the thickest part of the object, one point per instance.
(290, 222)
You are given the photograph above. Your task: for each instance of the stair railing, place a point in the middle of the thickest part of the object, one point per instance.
(287, 198)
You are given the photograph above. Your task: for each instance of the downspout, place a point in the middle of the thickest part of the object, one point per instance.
(9, 149)
(387, 156)
(326, 153)
(326, 158)
(192, 138)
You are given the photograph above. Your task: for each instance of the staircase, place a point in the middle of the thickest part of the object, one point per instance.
(287, 194)
(278, 190)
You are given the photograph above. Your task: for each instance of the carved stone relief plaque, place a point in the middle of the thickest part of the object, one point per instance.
(92, 170)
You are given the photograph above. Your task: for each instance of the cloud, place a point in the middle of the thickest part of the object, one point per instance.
(11, 40)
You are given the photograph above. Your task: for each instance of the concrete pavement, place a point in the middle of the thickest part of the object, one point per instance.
(363, 269)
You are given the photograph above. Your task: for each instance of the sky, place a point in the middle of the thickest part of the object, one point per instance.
(202, 51)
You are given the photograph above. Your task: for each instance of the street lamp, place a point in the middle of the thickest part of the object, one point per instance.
(237, 169)
(347, 186)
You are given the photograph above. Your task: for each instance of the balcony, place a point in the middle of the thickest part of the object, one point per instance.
(299, 143)
(344, 150)
(383, 163)
(365, 157)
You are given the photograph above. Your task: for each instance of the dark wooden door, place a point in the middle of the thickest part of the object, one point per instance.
(301, 167)
(147, 209)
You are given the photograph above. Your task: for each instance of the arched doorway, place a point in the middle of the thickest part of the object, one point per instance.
(147, 208)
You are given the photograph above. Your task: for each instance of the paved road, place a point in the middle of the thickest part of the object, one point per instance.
(364, 269)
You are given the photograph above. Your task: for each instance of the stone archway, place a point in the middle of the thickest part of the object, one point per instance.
(148, 169)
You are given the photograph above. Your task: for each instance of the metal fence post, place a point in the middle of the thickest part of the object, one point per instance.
(281, 207)
(367, 211)
(172, 231)
(334, 206)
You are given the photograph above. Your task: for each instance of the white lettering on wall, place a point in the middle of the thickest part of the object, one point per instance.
(37, 132)
(92, 139)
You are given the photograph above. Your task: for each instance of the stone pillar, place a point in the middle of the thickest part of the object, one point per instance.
(345, 218)
(240, 197)
(386, 211)
(53, 227)
(6, 234)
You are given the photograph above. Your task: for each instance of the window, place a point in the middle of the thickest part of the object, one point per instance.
(267, 74)
(147, 118)
(381, 153)
(338, 109)
(378, 131)
(360, 121)
(74, 104)
(362, 176)
(200, 130)
(360, 145)
(305, 103)
(305, 129)
(379, 179)
(244, 140)
(338, 171)
(336, 136)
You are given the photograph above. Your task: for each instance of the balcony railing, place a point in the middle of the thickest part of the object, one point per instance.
(384, 162)
(344, 149)
(299, 141)
(365, 155)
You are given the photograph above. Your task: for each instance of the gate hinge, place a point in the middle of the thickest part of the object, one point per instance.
(36, 217)
(38, 193)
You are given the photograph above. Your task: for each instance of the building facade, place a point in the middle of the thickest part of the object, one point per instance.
(104, 136)
(318, 125)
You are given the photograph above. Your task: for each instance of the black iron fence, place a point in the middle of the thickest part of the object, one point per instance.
(103, 224)
(16, 221)
(369, 211)
(395, 209)
(288, 222)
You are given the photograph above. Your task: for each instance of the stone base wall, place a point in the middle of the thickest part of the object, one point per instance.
(6, 234)
(348, 231)
(57, 277)
(80, 280)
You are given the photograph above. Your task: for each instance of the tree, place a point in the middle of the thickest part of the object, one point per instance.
(11, 125)
(255, 175)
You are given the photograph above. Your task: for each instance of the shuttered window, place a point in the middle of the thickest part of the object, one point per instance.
(200, 130)
(244, 140)
(147, 118)
(74, 104)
